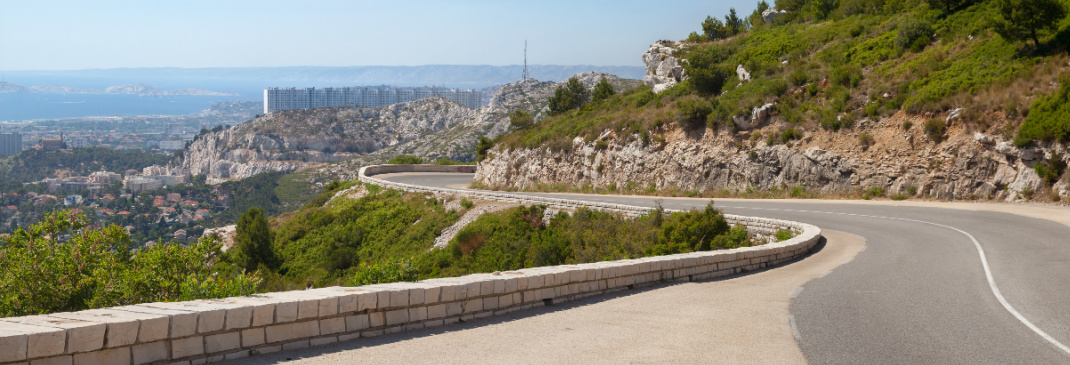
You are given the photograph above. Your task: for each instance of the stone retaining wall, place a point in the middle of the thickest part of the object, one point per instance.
(202, 331)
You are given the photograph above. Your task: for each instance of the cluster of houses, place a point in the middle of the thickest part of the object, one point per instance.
(150, 178)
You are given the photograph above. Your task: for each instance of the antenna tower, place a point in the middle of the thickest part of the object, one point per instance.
(525, 59)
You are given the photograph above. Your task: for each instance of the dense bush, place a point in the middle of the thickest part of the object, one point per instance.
(60, 265)
(571, 95)
(692, 112)
(705, 71)
(519, 238)
(914, 34)
(1049, 117)
(519, 119)
(602, 91)
(935, 129)
(405, 160)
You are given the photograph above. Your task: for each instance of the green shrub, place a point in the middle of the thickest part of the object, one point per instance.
(935, 129)
(405, 160)
(519, 119)
(705, 71)
(797, 192)
(692, 112)
(848, 75)
(865, 140)
(784, 235)
(572, 95)
(388, 272)
(1050, 170)
(907, 124)
(799, 78)
(899, 197)
(94, 268)
(789, 135)
(467, 204)
(914, 34)
(912, 190)
(602, 91)
(1049, 117)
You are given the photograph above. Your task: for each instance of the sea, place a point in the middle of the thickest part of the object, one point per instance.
(26, 107)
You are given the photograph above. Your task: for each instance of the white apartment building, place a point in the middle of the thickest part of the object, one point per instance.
(374, 97)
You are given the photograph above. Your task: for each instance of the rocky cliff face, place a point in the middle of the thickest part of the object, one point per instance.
(965, 166)
(294, 139)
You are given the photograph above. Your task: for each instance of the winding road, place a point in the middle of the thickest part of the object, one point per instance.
(946, 283)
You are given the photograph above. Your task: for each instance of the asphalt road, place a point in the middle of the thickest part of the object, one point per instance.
(919, 292)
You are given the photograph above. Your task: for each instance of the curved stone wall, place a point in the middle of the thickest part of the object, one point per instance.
(202, 331)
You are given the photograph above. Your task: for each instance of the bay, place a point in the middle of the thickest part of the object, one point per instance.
(21, 107)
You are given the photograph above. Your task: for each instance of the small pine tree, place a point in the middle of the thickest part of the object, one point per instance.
(1024, 19)
(567, 97)
(603, 90)
(253, 241)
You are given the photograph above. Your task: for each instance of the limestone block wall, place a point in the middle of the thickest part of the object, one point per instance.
(204, 331)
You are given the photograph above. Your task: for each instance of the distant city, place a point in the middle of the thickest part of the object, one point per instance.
(373, 97)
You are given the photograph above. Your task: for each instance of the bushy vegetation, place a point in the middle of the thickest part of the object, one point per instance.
(520, 237)
(828, 64)
(1049, 117)
(405, 160)
(59, 265)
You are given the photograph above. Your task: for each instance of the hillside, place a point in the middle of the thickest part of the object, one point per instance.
(293, 139)
(909, 99)
(332, 143)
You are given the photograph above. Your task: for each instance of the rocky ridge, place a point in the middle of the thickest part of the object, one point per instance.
(295, 139)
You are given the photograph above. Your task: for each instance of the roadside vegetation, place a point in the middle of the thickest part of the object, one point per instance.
(61, 264)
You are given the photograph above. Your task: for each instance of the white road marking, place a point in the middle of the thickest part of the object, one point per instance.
(980, 252)
(795, 330)
(822, 276)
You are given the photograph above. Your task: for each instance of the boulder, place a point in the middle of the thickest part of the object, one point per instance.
(663, 70)
(742, 73)
(771, 15)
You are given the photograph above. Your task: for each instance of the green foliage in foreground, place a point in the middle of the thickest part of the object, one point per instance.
(519, 238)
(1049, 117)
(327, 245)
(93, 268)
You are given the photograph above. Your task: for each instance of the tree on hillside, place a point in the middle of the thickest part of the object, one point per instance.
(713, 29)
(1023, 19)
(253, 241)
(603, 90)
(733, 23)
(567, 97)
(755, 18)
(520, 120)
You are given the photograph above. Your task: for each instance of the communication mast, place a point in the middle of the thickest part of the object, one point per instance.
(525, 59)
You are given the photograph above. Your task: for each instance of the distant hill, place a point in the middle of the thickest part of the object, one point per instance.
(248, 79)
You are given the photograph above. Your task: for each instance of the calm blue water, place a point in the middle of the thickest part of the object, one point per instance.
(16, 107)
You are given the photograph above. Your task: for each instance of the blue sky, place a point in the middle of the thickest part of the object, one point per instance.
(71, 35)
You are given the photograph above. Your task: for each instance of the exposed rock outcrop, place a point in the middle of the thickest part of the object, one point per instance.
(663, 69)
(294, 139)
(962, 167)
(771, 15)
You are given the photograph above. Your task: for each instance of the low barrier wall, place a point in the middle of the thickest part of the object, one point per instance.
(204, 331)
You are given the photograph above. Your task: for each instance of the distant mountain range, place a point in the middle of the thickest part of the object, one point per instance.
(248, 80)
(125, 89)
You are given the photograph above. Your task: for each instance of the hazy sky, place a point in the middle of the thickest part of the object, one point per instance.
(73, 34)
